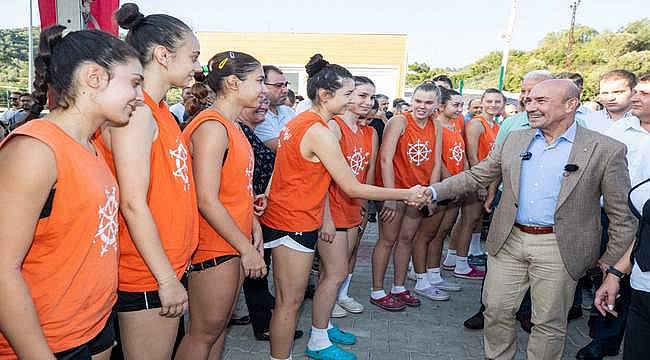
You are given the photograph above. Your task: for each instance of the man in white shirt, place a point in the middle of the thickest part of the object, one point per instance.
(14, 107)
(607, 298)
(634, 132)
(178, 109)
(277, 88)
(615, 94)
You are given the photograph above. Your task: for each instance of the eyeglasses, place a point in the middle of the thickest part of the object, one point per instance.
(279, 85)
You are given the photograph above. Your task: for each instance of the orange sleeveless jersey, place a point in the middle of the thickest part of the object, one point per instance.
(357, 148)
(486, 140)
(298, 186)
(453, 148)
(171, 199)
(235, 191)
(71, 266)
(414, 154)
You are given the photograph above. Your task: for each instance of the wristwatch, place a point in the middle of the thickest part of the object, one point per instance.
(614, 271)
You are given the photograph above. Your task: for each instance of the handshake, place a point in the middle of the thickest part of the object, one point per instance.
(419, 196)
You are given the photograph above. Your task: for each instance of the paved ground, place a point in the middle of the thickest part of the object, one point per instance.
(432, 331)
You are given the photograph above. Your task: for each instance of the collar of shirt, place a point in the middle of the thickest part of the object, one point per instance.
(633, 123)
(569, 135)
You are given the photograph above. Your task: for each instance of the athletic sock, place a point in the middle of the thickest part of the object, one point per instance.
(377, 294)
(343, 290)
(434, 275)
(397, 289)
(450, 259)
(319, 339)
(421, 281)
(475, 248)
(462, 267)
(289, 358)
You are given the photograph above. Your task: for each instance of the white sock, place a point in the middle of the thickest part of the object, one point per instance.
(289, 358)
(319, 339)
(450, 259)
(434, 275)
(422, 282)
(462, 267)
(343, 290)
(397, 289)
(377, 294)
(475, 248)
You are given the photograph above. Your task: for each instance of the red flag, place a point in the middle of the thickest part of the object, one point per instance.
(101, 11)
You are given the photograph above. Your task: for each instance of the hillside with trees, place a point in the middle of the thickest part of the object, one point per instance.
(593, 54)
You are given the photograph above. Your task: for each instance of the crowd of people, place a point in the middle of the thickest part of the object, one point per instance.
(120, 216)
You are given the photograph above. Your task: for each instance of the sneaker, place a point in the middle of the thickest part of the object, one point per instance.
(479, 260)
(350, 305)
(338, 312)
(407, 298)
(448, 267)
(389, 303)
(433, 293)
(331, 352)
(475, 274)
(447, 285)
(339, 336)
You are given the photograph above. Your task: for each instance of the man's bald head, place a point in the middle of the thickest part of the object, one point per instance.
(562, 88)
(531, 79)
(552, 104)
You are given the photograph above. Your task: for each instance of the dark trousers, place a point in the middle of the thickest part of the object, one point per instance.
(637, 331)
(607, 330)
(259, 299)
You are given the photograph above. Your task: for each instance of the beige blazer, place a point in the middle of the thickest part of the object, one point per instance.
(602, 171)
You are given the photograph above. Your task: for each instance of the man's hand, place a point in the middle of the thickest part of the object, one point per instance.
(605, 297)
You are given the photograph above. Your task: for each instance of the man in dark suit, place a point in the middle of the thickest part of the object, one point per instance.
(546, 231)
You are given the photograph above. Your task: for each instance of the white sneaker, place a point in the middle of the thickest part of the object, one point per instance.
(350, 305)
(433, 293)
(447, 285)
(338, 311)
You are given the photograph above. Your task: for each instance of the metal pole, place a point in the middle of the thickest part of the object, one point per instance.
(506, 48)
(31, 48)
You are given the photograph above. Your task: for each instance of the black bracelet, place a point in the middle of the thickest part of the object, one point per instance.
(614, 271)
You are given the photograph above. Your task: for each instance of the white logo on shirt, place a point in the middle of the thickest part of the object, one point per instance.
(418, 152)
(108, 225)
(180, 155)
(457, 152)
(358, 160)
(284, 136)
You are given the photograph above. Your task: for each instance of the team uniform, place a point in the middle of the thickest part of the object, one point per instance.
(71, 266)
(453, 147)
(297, 195)
(357, 149)
(172, 201)
(487, 139)
(235, 192)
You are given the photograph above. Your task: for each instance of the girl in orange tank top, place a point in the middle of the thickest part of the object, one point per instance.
(308, 155)
(410, 154)
(230, 241)
(158, 207)
(480, 133)
(434, 229)
(58, 219)
(340, 229)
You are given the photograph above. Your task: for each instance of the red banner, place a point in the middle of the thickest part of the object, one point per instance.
(100, 10)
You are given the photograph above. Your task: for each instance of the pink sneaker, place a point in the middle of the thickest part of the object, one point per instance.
(475, 274)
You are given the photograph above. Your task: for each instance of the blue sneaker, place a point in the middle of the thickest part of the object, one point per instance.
(339, 336)
(332, 352)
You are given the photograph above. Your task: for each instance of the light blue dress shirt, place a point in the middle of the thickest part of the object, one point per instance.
(272, 125)
(541, 178)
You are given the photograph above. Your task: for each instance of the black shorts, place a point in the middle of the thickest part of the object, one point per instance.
(212, 262)
(306, 239)
(100, 343)
(142, 300)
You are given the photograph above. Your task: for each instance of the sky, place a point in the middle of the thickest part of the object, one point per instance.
(450, 33)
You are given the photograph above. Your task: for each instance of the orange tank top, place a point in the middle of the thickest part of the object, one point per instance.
(415, 153)
(235, 191)
(356, 147)
(486, 140)
(171, 199)
(453, 148)
(298, 186)
(71, 266)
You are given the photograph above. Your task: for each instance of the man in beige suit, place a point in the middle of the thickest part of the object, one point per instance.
(546, 230)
